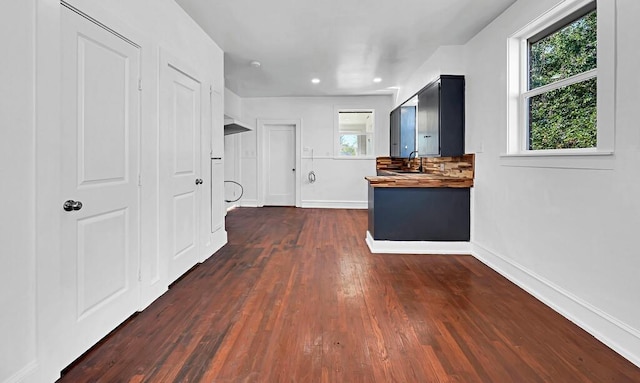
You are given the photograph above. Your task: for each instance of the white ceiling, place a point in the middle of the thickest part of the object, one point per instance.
(344, 43)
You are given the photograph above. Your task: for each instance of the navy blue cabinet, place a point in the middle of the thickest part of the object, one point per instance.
(407, 130)
(441, 118)
(419, 214)
(403, 131)
(394, 133)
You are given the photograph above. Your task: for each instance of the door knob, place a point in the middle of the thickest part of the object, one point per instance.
(293, 170)
(198, 181)
(71, 205)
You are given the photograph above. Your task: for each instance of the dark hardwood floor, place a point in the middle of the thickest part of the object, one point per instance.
(296, 297)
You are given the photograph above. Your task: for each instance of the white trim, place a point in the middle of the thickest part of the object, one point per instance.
(248, 203)
(417, 247)
(329, 204)
(261, 157)
(48, 170)
(218, 240)
(559, 153)
(25, 374)
(565, 160)
(575, 79)
(619, 336)
(317, 157)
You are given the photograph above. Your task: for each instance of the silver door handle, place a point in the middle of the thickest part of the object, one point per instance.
(198, 181)
(71, 205)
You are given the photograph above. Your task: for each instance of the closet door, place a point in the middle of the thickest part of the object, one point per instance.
(99, 182)
(180, 144)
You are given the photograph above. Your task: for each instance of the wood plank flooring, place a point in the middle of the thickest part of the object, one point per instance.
(296, 297)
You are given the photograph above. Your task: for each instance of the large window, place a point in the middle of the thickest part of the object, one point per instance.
(560, 101)
(557, 101)
(355, 133)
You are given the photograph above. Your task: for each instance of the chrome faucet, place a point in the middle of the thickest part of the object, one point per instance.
(416, 156)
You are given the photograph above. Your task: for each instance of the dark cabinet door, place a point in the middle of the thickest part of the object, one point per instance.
(452, 116)
(429, 121)
(407, 130)
(394, 144)
(441, 118)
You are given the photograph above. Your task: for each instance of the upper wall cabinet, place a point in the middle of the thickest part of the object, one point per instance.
(403, 129)
(440, 117)
(394, 133)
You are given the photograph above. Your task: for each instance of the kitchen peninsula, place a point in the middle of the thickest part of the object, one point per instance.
(423, 199)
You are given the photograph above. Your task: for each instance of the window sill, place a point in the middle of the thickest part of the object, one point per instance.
(562, 159)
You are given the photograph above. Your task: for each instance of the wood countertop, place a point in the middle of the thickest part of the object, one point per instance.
(417, 180)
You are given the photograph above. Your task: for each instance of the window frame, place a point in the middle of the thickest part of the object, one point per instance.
(518, 81)
(337, 133)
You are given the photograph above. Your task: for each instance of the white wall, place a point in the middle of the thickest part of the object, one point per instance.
(449, 59)
(575, 230)
(232, 109)
(17, 221)
(340, 182)
(232, 104)
(569, 236)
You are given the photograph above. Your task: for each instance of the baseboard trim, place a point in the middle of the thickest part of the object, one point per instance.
(25, 374)
(617, 335)
(218, 241)
(328, 204)
(231, 207)
(416, 247)
(248, 203)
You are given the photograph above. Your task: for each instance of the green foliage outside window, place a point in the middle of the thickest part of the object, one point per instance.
(565, 117)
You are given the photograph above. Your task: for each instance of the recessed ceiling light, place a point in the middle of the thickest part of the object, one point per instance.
(255, 64)
(315, 80)
(377, 79)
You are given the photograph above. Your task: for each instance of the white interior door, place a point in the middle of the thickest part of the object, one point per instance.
(181, 143)
(100, 151)
(281, 165)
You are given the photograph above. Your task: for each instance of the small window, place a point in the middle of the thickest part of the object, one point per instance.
(355, 133)
(560, 99)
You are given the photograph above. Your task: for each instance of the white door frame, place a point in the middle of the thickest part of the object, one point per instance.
(263, 153)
